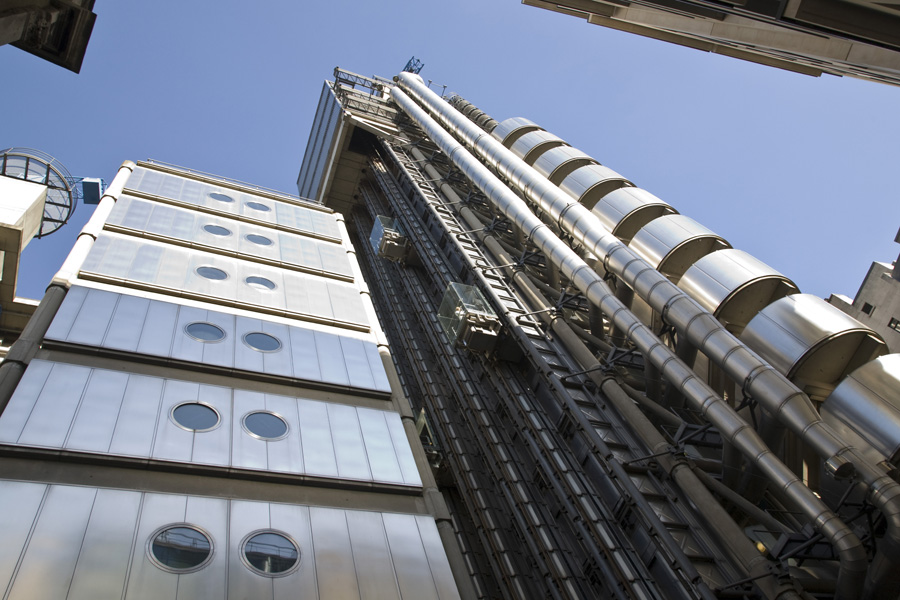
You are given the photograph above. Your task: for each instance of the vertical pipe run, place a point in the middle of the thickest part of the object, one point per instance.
(716, 410)
(760, 381)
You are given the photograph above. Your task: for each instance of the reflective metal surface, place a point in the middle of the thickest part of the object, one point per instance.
(161, 267)
(91, 317)
(866, 407)
(591, 183)
(585, 228)
(531, 145)
(811, 341)
(194, 193)
(626, 210)
(86, 543)
(205, 231)
(672, 243)
(734, 286)
(556, 163)
(508, 131)
(83, 409)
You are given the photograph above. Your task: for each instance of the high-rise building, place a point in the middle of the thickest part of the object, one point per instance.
(202, 407)
(468, 361)
(617, 403)
(56, 30)
(877, 303)
(854, 38)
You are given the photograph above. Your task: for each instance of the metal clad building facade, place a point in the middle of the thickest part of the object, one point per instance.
(209, 414)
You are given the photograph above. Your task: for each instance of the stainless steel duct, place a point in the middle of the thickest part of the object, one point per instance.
(760, 380)
(705, 400)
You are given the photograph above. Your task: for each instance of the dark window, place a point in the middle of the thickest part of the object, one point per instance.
(205, 332)
(216, 230)
(867, 308)
(270, 553)
(894, 324)
(265, 425)
(262, 341)
(221, 197)
(260, 283)
(258, 206)
(259, 239)
(181, 548)
(194, 416)
(212, 273)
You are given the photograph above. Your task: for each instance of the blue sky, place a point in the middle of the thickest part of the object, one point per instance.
(799, 171)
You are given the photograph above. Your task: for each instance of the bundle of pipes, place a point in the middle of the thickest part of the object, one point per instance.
(790, 406)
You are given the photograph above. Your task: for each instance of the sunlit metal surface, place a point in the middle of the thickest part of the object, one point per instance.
(626, 210)
(866, 408)
(115, 413)
(508, 131)
(590, 183)
(672, 243)
(811, 341)
(120, 322)
(84, 543)
(556, 163)
(531, 145)
(734, 286)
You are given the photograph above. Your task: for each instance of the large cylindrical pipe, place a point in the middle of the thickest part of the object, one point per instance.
(761, 381)
(704, 399)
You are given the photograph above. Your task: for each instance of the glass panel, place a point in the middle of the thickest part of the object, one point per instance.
(181, 548)
(260, 283)
(212, 273)
(271, 553)
(265, 425)
(259, 239)
(221, 197)
(258, 206)
(216, 230)
(195, 417)
(205, 332)
(262, 341)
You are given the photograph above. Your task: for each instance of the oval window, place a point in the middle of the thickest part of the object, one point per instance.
(262, 341)
(265, 425)
(259, 239)
(260, 283)
(221, 197)
(258, 206)
(217, 230)
(270, 553)
(180, 548)
(195, 416)
(212, 273)
(205, 332)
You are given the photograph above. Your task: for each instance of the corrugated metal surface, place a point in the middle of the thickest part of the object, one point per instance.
(203, 230)
(88, 543)
(174, 269)
(197, 193)
(121, 322)
(84, 409)
(321, 138)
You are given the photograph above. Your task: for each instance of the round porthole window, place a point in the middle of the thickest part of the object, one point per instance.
(262, 341)
(221, 197)
(217, 230)
(259, 239)
(270, 553)
(212, 273)
(258, 206)
(260, 283)
(205, 332)
(180, 549)
(195, 416)
(265, 425)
